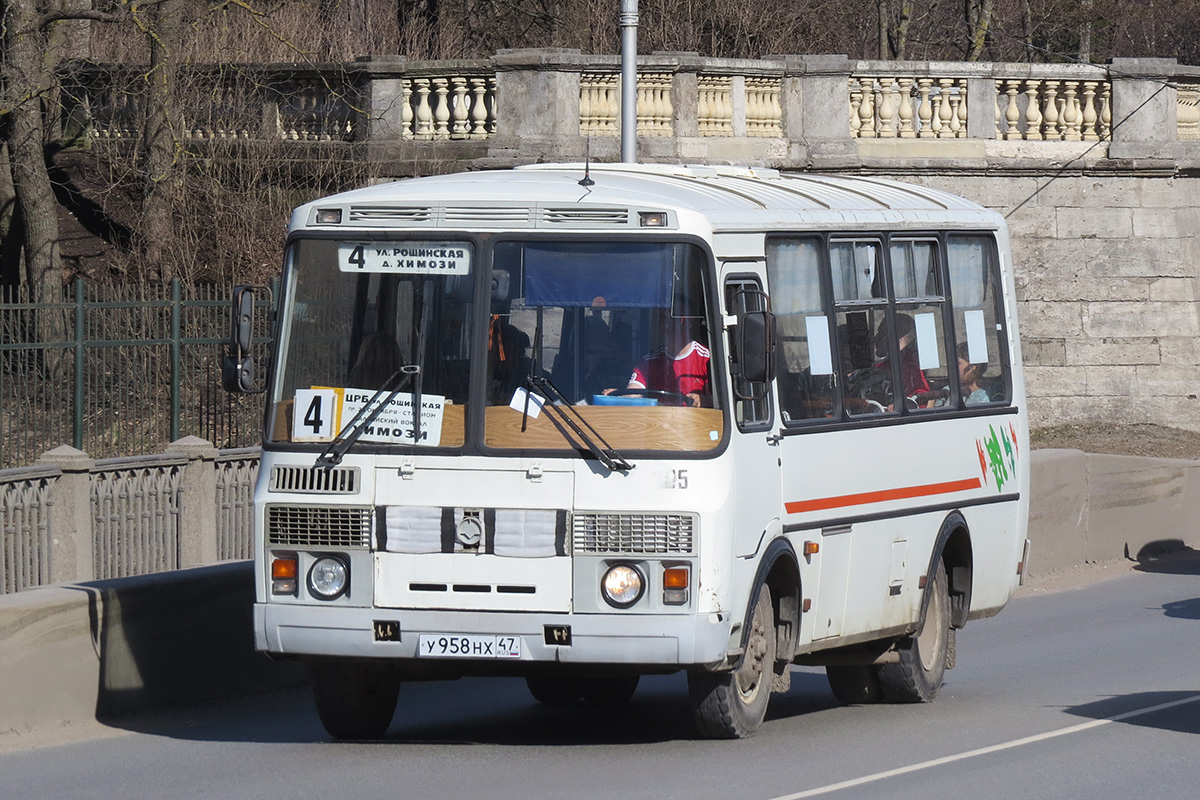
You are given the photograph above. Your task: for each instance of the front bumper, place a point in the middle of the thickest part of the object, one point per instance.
(668, 640)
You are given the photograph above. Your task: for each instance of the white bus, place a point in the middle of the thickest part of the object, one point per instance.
(581, 424)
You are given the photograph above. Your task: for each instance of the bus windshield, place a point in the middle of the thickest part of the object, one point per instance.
(350, 327)
(617, 330)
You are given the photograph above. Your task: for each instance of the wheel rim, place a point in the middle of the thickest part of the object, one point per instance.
(749, 675)
(933, 632)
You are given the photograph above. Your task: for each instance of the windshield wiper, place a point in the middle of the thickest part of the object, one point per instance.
(349, 434)
(567, 414)
(422, 327)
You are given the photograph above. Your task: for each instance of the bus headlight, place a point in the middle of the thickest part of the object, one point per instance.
(622, 585)
(329, 578)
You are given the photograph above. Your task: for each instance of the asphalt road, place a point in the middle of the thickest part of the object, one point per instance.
(1080, 692)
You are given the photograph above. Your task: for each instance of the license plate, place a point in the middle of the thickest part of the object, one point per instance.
(459, 645)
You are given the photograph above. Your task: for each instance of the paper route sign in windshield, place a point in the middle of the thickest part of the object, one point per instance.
(410, 258)
(321, 413)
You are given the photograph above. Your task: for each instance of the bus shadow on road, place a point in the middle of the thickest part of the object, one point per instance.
(1168, 711)
(658, 712)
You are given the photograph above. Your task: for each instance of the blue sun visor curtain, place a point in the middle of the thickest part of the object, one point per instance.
(612, 275)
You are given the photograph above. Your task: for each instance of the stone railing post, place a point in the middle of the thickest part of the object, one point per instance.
(1144, 108)
(816, 109)
(72, 555)
(537, 104)
(382, 93)
(685, 96)
(197, 502)
(981, 107)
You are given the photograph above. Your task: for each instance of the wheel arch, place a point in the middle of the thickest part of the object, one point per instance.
(779, 569)
(953, 547)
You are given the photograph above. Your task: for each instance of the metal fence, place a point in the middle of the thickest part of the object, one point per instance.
(130, 369)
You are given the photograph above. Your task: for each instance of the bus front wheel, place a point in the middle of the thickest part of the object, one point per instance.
(917, 676)
(731, 705)
(355, 700)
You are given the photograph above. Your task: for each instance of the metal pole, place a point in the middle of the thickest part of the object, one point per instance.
(176, 302)
(77, 412)
(629, 23)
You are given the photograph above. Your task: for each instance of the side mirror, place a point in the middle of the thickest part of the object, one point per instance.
(754, 343)
(237, 365)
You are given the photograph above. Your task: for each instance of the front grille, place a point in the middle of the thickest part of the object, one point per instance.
(585, 216)
(641, 534)
(364, 214)
(486, 214)
(319, 526)
(335, 480)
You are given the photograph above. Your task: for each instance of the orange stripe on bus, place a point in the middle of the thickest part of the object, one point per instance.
(903, 493)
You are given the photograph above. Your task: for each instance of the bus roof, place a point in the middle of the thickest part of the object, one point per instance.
(558, 196)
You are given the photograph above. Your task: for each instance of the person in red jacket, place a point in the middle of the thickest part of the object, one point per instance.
(680, 366)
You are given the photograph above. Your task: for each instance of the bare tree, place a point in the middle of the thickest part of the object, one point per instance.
(979, 21)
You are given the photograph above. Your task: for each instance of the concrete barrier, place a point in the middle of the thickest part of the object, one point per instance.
(1088, 508)
(74, 653)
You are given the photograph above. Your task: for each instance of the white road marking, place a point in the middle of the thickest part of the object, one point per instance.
(982, 751)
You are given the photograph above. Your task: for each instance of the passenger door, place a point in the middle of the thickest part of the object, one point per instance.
(753, 446)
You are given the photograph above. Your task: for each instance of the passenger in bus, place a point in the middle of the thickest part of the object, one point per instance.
(603, 347)
(913, 382)
(968, 378)
(679, 366)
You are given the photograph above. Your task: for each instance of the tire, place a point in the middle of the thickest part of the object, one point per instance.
(355, 700)
(917, 676)
(553, 690)
(731, 705)
(609, 690)
(855, 684)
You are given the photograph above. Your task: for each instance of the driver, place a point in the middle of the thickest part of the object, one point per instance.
(679, 366)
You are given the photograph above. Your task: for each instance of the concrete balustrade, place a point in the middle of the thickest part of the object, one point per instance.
(506, 109)
(71, 518)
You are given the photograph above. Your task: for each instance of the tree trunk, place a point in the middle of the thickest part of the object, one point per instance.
(884, 27)
(160, 160)
(1085, 32)
(979, 20)
(25, 78)
(901, 48)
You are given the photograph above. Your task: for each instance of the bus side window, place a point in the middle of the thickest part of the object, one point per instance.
(806, 364)
(921, 324)
(980, 348)
(864, 333)
(742, 294)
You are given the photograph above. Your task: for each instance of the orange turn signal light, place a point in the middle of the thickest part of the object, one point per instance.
(284, 569)
(811, 548)
(675, 578)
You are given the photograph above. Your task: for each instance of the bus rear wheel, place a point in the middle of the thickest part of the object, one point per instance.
(731, 705)
(917, 676)
(855, 684)
(355, 700)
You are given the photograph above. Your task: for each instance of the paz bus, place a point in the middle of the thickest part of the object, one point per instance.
(584, 423)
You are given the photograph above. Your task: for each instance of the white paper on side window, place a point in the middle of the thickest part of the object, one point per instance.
(535, 402)
(927, 349)
(977, 352)
(819, 352)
